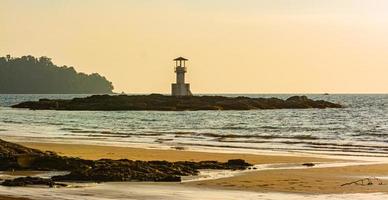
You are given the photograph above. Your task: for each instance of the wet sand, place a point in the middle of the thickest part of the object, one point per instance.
(169, 191)
(306, 180)
(95, 152)
(309, 180)
(11, 198)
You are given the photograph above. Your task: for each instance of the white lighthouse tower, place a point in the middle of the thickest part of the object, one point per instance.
(180, 88)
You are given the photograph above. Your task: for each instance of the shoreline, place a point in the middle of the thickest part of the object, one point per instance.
(95, 152)
(281, 174)
(304, 180)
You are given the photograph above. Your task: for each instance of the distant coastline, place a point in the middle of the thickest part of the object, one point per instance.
(31, 75)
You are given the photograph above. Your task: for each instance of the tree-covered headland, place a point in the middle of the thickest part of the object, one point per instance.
(30, 75)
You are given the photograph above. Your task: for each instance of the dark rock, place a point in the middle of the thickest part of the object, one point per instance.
(26, 181)
(169, 178)
(298, 99)
(14, 156)
(238, 164)
(171, 103)
(308, 164)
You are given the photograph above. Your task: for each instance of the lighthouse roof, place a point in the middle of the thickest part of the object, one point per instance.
(180, 58)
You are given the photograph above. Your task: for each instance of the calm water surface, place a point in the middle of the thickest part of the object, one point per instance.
(360, 128)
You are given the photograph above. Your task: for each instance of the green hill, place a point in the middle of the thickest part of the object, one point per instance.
(30, 75)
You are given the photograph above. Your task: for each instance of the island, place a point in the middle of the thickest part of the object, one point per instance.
(158, 102)
(30, 75)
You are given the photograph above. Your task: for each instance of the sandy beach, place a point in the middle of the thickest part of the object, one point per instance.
(310, 181)
(94, 152)
(315, 180)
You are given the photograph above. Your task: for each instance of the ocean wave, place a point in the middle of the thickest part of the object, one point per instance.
(294, 149)
(12, 122)
(70, 129)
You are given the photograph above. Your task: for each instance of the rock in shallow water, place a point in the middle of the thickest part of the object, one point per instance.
(17, 157)
(27, 181)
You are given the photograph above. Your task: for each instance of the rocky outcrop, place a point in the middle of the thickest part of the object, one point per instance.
(171, 103)
(157, 171)
(17, 157)
(14, 156)
(26, 181)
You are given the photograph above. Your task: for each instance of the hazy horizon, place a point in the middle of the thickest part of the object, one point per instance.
(245, 46)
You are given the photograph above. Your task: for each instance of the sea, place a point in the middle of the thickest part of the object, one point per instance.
(361, 128)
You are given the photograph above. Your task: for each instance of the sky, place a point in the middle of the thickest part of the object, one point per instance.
(234, 46)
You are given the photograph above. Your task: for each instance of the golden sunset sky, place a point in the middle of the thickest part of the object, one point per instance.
(234, 46)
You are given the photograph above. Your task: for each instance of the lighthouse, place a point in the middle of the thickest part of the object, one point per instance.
(180, 88)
